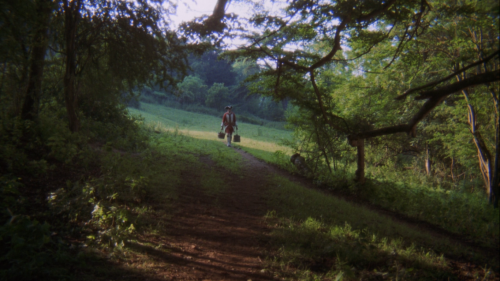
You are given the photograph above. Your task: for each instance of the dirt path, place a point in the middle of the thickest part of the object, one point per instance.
(219, 237)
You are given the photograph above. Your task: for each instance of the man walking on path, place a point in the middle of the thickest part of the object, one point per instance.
(229, 121)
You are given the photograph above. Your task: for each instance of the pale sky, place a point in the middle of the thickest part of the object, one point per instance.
(187, 10)
(190, 9)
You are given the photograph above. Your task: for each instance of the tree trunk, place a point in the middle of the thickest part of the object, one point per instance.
(494, 188)
(71, 15)
(428, 164)
(483, 154)
(495, 181)
(40, 40)
(3, 77)
(261, 102)
(360, 172)
(23, 68)
(284, 104)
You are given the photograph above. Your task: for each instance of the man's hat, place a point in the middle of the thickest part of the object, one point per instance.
(229, 107)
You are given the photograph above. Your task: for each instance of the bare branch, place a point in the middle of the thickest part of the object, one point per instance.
(214, 22)
(483, 78)
(435, 98)
(408, 92)
(318, 95)
(398, 49)
(336, 45)
(409, 128)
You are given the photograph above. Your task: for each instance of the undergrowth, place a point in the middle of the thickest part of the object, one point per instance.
(64, 192)
(457, 210)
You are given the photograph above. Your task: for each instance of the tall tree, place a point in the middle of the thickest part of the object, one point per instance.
(22, 30)
(43, 11)
(131, 38)
(72, 15)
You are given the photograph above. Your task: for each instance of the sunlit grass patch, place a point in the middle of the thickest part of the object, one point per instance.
(319, 235)
(161, 119)
(176, 143)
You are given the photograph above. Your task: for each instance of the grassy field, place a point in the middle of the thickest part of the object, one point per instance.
(261, 141)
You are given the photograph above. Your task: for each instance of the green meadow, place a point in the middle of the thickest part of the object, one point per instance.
(261, 141)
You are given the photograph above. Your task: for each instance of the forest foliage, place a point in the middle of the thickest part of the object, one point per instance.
(213, 82)
(67, 70)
